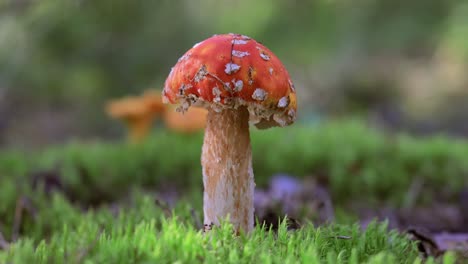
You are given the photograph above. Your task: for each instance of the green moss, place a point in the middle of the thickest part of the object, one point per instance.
(354, 160)
(126, 226)
(142, 232)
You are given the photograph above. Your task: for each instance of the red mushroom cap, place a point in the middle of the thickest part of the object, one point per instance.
(231, 70)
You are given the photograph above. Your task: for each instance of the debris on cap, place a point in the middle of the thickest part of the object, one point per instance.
(232, 70)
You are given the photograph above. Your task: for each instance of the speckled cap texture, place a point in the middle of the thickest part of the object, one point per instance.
(229, 71)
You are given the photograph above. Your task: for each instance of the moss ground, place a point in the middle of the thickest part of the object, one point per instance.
(94, 202)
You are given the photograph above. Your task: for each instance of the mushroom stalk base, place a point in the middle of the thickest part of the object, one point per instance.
(227, 169)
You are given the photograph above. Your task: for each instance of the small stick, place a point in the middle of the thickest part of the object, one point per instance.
(164, 207)
(81, 254)
(18, 219)
(3, 243)
(21, 204)
(196, 218)
(341, 237)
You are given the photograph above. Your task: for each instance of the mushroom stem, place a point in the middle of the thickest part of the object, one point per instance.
(138, 128)
(227, 169)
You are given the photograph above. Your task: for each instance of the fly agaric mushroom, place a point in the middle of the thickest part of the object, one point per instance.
(193, 120)
(137, 112)
(237, 79)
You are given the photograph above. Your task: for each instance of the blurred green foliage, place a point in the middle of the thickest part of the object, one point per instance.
(455, 36)
(69, 57)
(66, 51)
(351, 159)
(61, 52)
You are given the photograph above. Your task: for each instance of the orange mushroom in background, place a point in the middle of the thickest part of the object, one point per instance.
(192, 121)
(137, 112)
(153, 101)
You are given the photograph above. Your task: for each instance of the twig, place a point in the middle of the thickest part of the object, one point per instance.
(17, 221)
(3, 243)
(196, 218)
(21, 204)
(164, 207)
(341, 237)
(413, 193)
(426, 244)
(81, 254)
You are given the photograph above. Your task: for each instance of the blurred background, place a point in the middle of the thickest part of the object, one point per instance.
(398, 64)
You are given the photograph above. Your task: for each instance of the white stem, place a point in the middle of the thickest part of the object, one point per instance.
(227, 169)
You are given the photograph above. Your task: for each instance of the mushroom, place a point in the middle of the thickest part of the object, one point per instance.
(192, 121)
(137, 112)
(237, 79)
